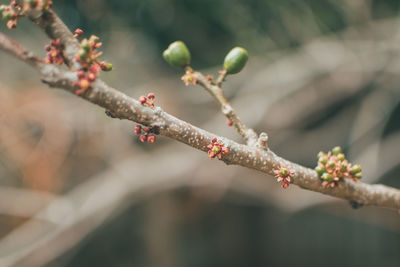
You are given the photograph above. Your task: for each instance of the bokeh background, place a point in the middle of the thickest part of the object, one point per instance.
(77, 188)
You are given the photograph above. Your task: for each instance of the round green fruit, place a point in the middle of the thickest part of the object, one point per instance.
(177, 54)
(235, 60)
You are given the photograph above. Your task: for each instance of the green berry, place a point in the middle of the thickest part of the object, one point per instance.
(355, 169)
(327, 177)
(235, 60)
(177, 54)
(320, 170)
(337, 150)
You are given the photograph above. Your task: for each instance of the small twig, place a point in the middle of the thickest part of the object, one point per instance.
(248, 134)
(221, 77)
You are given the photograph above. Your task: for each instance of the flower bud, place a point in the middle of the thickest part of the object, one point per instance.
(151, 139)
(323, 159)
(358, 175)
(327, 177)
(177, 54)
(337, 150)
(355, 169)
(320, 170)
(7, 15)
(343, 167)
(85, 45)
(284, 172)
(106, 66)
(340, 157)
(235, 60)
(82, 53)
(331, 164)
(143, 138)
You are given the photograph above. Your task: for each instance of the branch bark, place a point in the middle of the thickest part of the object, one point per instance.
(124, 107)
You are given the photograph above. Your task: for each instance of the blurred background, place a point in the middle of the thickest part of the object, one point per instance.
(77, 188)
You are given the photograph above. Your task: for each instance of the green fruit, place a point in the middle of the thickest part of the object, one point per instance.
(320, 170)
(358, 175)
(337, 150)
(177, 54)
(235, 60)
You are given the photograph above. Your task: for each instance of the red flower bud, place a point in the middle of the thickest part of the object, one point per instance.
(142, 99)
(81, 74)
(143, 138)
(151, 139)
(151, 96)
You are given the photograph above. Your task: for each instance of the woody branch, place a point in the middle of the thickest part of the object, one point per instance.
(124, 107)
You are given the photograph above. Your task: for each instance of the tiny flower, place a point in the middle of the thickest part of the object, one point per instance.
(217, 149)
(284, 176)
(188, 78)
(229, 122)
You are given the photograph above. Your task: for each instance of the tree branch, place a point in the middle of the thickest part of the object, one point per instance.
(124, 107)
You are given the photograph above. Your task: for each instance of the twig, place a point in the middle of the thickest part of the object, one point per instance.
(250, 156)
(215, 91)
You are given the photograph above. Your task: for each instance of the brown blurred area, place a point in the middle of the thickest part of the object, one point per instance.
(77, 188)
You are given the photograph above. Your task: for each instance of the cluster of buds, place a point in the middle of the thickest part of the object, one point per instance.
(146, 133)
(11, 13)
(14, 11)
(88, 58)
(333, 168)
(284, 176)
(216, 149)
(54, 53)
(148, 101)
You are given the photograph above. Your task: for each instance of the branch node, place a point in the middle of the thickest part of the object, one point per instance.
(263, 141)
